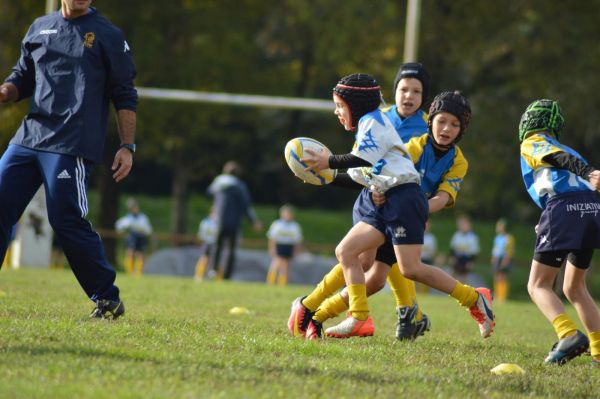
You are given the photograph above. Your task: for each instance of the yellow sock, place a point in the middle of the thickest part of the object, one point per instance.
(464, 294)
(128, 265)
(271, 277)
(399, 285)
(501, 290)
(6, 261)
(332, 307)
(358, 301)
(412, 291)
(333, 281)
(595, 344)
(201, 267)
(564, 326)
(139, 266)
(282, 280)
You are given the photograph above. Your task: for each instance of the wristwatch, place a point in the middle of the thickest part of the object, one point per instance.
(130, 147)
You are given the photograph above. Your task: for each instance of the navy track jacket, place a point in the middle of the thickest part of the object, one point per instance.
(71, 69)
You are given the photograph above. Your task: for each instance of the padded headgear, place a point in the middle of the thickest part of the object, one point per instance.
(541, 115)
(361, 92)
(413, 70)
(454, 103)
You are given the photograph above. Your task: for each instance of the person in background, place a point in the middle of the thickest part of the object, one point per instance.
(231, 203)
(285, 236)
(207, 233)
(502, 255)
(138, 228)
(464, 247)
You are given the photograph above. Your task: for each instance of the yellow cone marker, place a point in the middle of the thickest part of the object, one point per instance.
(507, 368)
(237, 310)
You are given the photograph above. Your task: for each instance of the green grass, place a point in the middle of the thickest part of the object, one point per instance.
(178, 340)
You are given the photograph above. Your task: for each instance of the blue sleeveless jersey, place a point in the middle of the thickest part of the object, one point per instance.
(410, 127)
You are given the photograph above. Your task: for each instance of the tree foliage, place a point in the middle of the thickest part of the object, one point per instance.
(500, 55)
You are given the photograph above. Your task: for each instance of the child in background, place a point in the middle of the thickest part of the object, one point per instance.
(207, 233)
(563, 184)
(138, 228)
(285, 236)
(502, 254)
(464, 247)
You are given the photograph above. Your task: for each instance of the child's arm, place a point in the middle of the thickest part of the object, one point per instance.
(564, 160)
(319, 161)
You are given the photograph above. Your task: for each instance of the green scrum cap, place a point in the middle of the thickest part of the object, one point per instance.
(541, 115)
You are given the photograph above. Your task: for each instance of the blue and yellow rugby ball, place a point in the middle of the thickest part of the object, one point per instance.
(294, 152)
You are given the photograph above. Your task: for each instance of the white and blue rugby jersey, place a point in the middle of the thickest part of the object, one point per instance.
(465, 244)
(134, 223)
(285, 232)
(378, 143)
(542, 180)
(410, 127)
(208, 229)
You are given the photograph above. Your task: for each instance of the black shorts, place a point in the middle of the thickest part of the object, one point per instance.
(499, 268)
(284, 250)
(580, 258)
(136, 242)
(385, 253)
(463, 263)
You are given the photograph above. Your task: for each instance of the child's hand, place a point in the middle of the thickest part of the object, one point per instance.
(316, 161)
(594, 179)
(378, 198)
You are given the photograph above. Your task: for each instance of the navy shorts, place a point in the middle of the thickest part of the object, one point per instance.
(284, 250)
(401, 218)
(569, 222)
(136, 242)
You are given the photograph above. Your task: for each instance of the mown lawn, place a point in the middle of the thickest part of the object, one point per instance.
(178, 340)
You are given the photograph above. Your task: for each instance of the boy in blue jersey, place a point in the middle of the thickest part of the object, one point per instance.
(73, 62)
(381, 162)
(562, 183)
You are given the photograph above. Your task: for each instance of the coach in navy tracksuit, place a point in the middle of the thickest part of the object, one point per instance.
(72, 63)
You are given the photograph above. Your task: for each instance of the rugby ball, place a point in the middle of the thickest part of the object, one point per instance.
(294, 152)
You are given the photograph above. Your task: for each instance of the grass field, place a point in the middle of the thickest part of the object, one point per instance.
(178, 340)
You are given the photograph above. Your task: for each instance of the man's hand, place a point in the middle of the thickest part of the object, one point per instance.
(8, 92)
(122, 164)
(316, 161)
(594, 179)
(257, 226)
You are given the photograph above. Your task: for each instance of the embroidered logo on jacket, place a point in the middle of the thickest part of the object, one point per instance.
(88, 39)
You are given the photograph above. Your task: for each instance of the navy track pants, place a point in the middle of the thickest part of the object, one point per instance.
(65, 177)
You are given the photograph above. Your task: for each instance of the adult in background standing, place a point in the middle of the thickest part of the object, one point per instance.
(231, 203)
(72, 63)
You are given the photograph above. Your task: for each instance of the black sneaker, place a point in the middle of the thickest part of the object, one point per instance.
(107, 309)
(406, 328)
(423, 325)
(568, 348)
